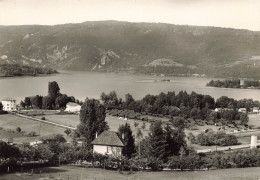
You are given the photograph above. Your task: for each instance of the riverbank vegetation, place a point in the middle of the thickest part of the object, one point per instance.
(9, 70)
(235, 83)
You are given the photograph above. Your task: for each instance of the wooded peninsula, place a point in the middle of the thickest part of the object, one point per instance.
(10, 70)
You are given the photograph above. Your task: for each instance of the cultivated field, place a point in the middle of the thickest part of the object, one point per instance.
(79, 173)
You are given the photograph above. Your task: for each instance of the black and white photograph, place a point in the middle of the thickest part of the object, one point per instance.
(129, 89)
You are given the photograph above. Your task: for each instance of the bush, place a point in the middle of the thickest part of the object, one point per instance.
(43, 118)
(18, 129)
(219, 138)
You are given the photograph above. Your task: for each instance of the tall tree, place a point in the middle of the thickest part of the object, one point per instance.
(126, 133)
(157, 141)
(92, 120)
(1, 106)
(53, 91)
(27, 102)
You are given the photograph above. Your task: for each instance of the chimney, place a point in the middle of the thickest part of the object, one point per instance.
(96, 135)
(123, 135)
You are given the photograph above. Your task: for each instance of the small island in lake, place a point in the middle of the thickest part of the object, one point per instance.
(235, 83)
(10, 70)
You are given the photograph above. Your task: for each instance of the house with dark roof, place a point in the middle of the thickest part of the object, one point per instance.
(108, 142)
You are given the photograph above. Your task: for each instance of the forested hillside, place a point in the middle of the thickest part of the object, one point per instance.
(142, 47)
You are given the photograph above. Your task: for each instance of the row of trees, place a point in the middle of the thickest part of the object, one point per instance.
(18, 70)
(192, 105)
(167, 103)
(234, 83)
(53, 100)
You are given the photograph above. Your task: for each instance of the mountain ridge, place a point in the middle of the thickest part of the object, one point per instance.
(116, 45)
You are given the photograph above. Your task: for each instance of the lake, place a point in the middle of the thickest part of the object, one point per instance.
(91, 84)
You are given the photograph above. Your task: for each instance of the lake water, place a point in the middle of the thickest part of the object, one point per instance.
(90, 84)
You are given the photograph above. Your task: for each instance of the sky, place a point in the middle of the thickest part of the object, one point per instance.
(240, 14)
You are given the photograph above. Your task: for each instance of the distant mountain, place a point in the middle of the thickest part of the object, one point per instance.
(113, 46)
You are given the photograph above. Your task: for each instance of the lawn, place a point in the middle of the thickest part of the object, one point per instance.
(80, 173)
(9, 121)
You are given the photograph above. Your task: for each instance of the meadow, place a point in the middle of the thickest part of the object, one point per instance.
(11, 122)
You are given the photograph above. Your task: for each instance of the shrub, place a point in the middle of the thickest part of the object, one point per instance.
(18, 129)
(43, 118)
(219, 138)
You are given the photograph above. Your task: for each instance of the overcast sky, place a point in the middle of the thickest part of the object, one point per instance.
(243, 14)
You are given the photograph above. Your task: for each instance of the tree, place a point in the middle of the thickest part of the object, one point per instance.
(67, 131)
(22, 104)
(62, 101)
(7, 151)
(36, 101)
(53, 91)
(1, 106)
(18, 129)
(157, 141)
(27, 102)
(47, 102)
(92, 120)
(127, 135)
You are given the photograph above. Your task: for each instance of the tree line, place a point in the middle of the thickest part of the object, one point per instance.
(234, 83)
(54, 99)
(194, 105)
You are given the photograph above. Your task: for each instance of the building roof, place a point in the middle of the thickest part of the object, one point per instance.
(8, 99)
(242, 109)
(72, 104)
(109, 138)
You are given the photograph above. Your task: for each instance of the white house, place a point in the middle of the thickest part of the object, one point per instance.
(73, 107)
(9, 104)
(218, 109)
(243, 110)
(109, 143)
(256, 109)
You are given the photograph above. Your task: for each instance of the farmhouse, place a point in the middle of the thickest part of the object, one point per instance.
(73, 107)
(9, 104)
(108, 142)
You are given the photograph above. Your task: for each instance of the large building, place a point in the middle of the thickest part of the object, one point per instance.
(109, 143)
(73, 107)
(9, 104)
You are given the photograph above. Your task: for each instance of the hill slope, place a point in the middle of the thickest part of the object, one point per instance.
(111, 45)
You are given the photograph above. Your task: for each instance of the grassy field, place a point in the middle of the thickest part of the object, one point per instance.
(79, 173)
(254, 120)
(7, 134)
(9, 121)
